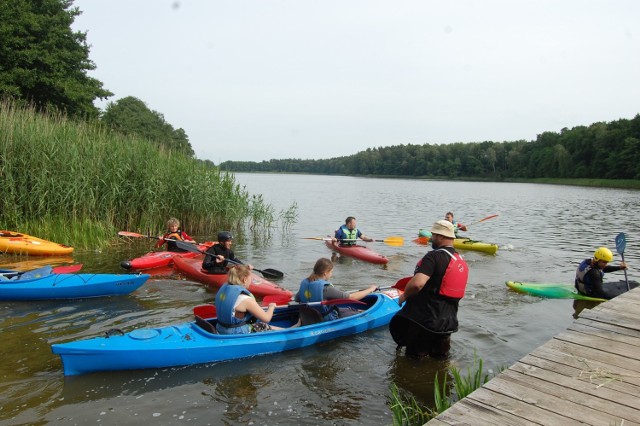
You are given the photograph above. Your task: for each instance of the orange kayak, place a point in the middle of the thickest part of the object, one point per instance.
(16, 243)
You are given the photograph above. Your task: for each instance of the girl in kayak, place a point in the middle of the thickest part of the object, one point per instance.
(317, 288)
(174, 233)
(236, 306)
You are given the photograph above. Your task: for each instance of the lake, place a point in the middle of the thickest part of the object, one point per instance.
(543, 232)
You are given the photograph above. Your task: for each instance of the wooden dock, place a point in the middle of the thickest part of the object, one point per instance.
(589, 374)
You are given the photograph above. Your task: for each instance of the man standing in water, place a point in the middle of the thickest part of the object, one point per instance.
(430, 314)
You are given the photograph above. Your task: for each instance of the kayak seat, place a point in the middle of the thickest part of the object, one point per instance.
(309, 316)
(205, 325)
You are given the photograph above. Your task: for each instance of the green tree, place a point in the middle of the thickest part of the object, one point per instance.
(42, 61)
(132, 116)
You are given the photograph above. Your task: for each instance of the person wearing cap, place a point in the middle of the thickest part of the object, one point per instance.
(590, 273)
(456, 225)
(217, 256)
(430, 312)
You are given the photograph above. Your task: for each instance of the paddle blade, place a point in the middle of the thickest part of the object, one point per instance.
(422, 241)
(189, 247)
(205, 311)
(130, 234)
(487, 218)
(621, 243)
(401, 283)
(271, 273)
(394, 241)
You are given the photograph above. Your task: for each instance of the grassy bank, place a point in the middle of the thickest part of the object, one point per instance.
(78, 184)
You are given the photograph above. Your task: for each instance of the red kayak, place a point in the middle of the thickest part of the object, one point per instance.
(157, 259)
(358, 252)
(192, 268)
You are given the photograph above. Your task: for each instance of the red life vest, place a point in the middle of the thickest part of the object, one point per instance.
(454, 281)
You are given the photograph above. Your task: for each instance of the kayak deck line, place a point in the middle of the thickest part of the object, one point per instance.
(544, 385)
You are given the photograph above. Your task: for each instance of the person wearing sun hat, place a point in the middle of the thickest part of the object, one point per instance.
(430, 312)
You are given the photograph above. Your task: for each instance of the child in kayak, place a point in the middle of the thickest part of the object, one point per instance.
(236, 306)
(456, 225)
(215, 260)
(174, 233)
(317, 288)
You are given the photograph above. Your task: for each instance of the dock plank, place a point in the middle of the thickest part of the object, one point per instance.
(588, 374)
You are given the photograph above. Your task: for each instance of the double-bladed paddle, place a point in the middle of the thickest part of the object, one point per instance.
(136, 235)
(268, 273)
(208, 311)
(621, 245)
(392, 241)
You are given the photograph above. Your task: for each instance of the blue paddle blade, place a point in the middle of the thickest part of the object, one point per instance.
(621, 243)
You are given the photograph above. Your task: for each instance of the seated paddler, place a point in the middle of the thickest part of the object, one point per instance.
(317, 288)
(238, 311)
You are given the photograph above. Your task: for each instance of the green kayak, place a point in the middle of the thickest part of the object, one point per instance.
(551, 291)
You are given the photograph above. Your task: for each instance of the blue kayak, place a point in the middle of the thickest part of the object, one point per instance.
(68, 286)
(189, 343)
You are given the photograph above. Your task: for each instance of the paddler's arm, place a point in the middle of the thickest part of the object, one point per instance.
(413, 286)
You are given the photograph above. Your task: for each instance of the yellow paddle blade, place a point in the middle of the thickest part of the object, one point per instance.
(394, 241)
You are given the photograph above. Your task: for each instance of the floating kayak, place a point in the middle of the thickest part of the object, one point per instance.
(550, 291)
(465, 244)
(190, 343)
(70, 286)
(157, 259)
(192, 268)
(16, 243)
(358, 252)
(568, 291)
(10, 274)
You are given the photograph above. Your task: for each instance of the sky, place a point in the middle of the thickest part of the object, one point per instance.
(254, 80)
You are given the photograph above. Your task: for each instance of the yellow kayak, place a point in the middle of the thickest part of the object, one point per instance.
(465, 244)
(16, 243)
(468, 244)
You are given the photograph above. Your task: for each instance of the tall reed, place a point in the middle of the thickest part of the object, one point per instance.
(78, 183)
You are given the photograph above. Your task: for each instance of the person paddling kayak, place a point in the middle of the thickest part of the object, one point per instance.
(590, 273)
(174, 233)
(215, 260)
(347, 234)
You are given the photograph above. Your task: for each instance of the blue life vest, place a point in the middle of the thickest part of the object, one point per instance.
(313, 291)
(225, 301)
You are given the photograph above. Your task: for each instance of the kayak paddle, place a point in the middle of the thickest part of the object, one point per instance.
(392, 241)
(482, 220)
(268, 273)
(136, 235)
(281, 301)
(621, 245)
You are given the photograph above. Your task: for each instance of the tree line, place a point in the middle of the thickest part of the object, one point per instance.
(44, 65)
(598, 151)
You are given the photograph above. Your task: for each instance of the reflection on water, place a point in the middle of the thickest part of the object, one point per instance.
(542, 232)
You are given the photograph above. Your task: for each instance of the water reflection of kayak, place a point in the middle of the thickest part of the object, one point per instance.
(568, 291)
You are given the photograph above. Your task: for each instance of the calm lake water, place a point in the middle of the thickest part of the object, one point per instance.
(543, 231)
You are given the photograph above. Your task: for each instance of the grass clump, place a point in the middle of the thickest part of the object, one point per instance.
(407, 411)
